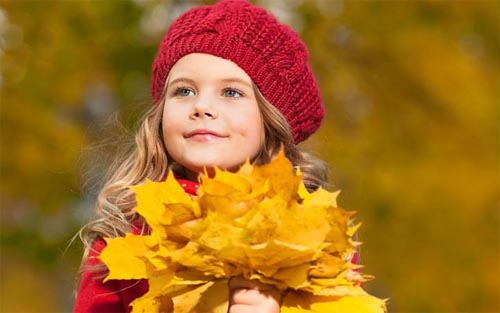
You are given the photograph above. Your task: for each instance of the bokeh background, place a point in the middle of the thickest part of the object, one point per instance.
(411, 89)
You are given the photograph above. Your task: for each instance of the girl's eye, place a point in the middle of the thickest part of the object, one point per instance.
(183, 92)
(232, 93)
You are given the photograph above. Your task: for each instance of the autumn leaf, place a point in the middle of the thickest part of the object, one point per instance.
(260, 223)
(133, 251)
(164, 204)
(302, 302)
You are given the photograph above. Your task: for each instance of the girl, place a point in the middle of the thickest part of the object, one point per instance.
(229, 83)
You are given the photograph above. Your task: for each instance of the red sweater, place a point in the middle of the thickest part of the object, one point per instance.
(113, 296)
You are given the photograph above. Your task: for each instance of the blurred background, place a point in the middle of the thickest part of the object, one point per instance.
(411, 136)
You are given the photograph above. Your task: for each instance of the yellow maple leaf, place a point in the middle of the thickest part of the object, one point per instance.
(209, 297)
(283, 180)
(358, 302)
(132, 251)
(164, 204)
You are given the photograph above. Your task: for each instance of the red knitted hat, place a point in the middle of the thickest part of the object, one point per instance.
(271, 53)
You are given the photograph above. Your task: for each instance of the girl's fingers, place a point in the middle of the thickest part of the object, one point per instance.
(248, 295)
(239, 282)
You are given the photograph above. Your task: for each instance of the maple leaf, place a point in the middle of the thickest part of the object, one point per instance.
(133, 251)
(357, 301)
(261, 223)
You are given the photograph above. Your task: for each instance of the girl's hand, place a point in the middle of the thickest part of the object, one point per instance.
(250, 296)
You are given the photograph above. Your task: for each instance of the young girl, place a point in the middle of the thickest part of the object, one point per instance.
(229, 83)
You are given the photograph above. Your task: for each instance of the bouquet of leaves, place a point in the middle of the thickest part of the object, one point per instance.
(260, 223)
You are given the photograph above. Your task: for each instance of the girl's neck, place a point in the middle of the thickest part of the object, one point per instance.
(195, 176)
(192, 176)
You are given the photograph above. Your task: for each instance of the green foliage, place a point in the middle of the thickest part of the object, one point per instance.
(411, 90)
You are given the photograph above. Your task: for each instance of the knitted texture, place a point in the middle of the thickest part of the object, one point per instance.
(271, 53)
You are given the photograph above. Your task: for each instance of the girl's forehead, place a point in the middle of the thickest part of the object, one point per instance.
(207, 66)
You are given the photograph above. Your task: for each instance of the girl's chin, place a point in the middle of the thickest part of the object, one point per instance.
(192, 172)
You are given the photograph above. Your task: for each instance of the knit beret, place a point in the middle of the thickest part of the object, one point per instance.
(271, 53)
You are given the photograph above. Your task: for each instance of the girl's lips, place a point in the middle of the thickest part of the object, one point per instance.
(203, 135)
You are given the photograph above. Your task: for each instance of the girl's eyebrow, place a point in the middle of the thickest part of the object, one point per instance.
(225, 80)
(237, 80)
(181, 79)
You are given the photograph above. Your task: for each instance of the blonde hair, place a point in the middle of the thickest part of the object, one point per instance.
(148, 159)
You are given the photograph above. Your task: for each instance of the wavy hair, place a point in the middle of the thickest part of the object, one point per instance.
(147, 158)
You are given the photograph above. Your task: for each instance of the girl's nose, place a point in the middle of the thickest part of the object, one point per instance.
(203, 114)
(203, 109)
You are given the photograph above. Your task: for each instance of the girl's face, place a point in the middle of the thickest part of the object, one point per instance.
(210, 116)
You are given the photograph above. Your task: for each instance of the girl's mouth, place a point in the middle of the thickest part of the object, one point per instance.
(203, 135)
